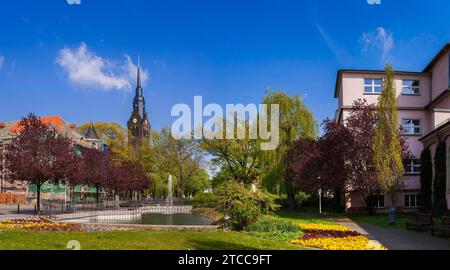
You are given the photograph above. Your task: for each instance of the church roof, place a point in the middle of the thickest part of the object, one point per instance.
(91, 134)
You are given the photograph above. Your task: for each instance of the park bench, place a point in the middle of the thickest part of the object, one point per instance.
(420, 222)
(444, 228)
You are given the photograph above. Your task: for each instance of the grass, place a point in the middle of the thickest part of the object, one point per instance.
(302, 217)
(154, 240)
(140, 240)
(382, 219)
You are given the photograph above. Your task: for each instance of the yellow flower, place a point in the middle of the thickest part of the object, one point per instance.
(323, 227)
(347, 243)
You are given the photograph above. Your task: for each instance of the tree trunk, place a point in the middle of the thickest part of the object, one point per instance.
(393, 200)
(97, 194)
(38, 199)
(292, 202)
(370, 208)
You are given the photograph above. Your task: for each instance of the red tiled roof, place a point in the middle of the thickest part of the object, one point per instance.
(54, 121)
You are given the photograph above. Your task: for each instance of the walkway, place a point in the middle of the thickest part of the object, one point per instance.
(10, 211)
(396, 238)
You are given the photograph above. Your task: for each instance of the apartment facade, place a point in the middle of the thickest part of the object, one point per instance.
(424, 113)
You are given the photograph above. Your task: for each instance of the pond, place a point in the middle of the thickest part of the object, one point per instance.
(150, 219)
(173, 219)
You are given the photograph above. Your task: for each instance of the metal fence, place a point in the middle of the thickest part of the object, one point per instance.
(108, 211)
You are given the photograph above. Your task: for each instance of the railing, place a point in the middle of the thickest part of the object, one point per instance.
(108, 211)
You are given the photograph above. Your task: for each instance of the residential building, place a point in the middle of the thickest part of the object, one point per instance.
(424, 113)
(9, 129)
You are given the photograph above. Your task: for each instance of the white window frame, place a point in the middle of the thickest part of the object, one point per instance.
(378, 202)
(373, 85)
(417, 200)
(412, 126)
(411, 165)
(411, 88)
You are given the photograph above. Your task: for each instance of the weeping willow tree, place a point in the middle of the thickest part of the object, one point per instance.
(296, 122)
(386, 144)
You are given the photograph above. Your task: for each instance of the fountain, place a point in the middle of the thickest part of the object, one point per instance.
(170, 192)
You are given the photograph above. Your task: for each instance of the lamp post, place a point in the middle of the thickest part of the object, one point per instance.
(320, 201)
(320, 196)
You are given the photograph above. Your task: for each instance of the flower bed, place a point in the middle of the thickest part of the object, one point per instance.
(334, 237)
(37, 224)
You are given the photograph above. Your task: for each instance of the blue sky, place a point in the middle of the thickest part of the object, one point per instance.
(75, 60)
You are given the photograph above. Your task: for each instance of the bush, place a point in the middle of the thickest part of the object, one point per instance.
(275, 229)
(302, 197)
(240, 205)
(210, 213)
(203, 200)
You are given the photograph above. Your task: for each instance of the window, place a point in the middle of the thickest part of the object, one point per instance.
(411, 87)
(378, 201)
(412, 200)
(373, 86)
(412, 166)
(411, 127)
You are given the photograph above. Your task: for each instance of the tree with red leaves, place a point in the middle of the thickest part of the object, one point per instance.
(342, 159)
(319, 165)
(38, 154)
(301, 162)
(93, 170)
(137, 178)
(128, 176)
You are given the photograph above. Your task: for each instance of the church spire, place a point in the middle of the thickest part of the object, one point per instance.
(139, 101)
(139, 83)
(139, 74)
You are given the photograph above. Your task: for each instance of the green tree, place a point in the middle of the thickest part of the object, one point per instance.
(386, 144)
(439, 185)
(198, 182)
(181, 158)
(426, 180)
(239, 160)
(115, 135)
(296, 122)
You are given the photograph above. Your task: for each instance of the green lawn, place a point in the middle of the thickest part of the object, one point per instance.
(302, 217)
(382, 219)
(152, 240)
(140, 240)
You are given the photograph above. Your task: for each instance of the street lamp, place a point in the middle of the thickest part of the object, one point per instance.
(320, 197)
(320, 201)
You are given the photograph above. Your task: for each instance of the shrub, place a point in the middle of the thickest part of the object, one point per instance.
(203, 200)
(426, 181)
(210, 213)
(240, 205)
(275, 229)
(439, 184)
(302, 197)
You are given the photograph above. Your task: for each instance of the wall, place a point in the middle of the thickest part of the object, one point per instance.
(440, 75)
(353, 89)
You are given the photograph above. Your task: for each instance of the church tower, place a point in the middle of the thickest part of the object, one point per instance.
(138, 125)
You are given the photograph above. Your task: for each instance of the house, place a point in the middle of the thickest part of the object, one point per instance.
(424, 113)
(9, 129)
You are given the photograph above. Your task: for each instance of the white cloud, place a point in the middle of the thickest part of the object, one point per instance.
(380, 39)
(340, 52)
(74, 2)
(2, 61)
(130, 69)
(86, 69)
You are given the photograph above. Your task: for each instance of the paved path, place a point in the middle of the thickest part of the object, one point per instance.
(396, 238)
(10, 211)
